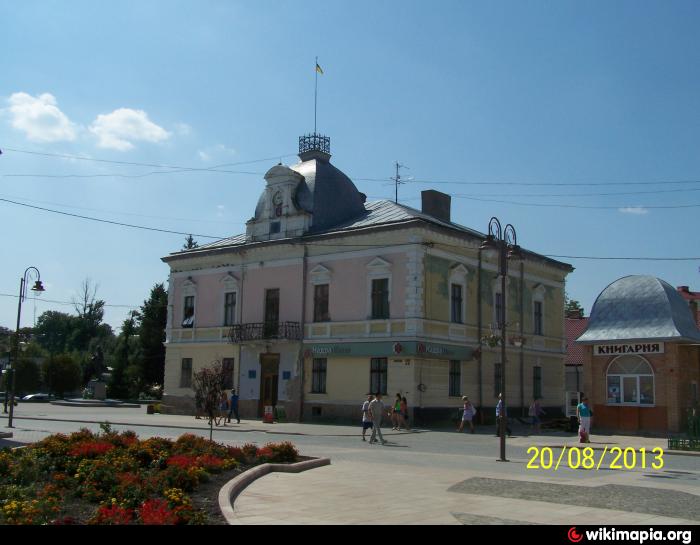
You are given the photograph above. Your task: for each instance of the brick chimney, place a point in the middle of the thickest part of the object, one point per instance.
(436, 204)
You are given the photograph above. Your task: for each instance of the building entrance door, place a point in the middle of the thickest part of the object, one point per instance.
(269, 378)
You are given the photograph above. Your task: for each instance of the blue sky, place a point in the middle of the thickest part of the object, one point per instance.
(527, 92)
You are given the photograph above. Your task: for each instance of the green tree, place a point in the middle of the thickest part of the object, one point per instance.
(28, 378)
(151, 329)
(62, 374)
(53, 331)
(190, 243)
(120, 386)
(572, 306)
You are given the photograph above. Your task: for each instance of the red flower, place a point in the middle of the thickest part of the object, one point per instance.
(91, 449)
(182, 460)
(113, 515)
(156, 511)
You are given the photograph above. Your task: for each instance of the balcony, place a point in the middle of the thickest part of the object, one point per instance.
(290, 331)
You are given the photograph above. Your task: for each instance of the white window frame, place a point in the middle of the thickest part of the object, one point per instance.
(189, 289)
(538, 294)
(320, 275)
(622, 384)
(378, 269)
(230, 284)
(458, 276)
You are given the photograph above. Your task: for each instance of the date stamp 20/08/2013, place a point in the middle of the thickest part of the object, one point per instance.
(544, 458)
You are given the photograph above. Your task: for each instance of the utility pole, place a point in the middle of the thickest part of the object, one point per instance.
(397, 180)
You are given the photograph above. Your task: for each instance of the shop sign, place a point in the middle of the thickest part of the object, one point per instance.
(619, 349)
(390, 349)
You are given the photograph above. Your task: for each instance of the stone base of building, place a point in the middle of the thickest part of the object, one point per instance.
(177, 405)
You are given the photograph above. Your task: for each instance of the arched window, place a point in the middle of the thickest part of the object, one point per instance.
(630, 381)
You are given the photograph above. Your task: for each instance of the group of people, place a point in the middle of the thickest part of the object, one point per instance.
(228, 407)
(373, 411)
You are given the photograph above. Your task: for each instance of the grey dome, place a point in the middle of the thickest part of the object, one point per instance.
(635, 308)
(327, 193)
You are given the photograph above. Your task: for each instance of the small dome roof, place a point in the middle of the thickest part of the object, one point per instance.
(327, 193)
(637, 308)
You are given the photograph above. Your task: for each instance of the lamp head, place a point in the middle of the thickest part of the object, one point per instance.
(38, 286)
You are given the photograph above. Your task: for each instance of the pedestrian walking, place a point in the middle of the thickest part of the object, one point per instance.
(404, 413)
(233, 406)
(536, 411)
(585, 417)
(198, 405)
(396, 412)
(376, 413)
(468, 413)
(223, 409)
(502, 413)
(366, 420)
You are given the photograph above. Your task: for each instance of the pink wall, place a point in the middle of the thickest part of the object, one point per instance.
(349, 288)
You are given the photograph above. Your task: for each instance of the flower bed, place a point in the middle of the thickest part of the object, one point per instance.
(115, 478)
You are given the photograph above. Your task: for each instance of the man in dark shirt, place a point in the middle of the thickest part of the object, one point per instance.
(233, 406)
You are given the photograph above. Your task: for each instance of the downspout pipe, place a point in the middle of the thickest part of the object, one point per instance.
(302, 363)
(480, 368)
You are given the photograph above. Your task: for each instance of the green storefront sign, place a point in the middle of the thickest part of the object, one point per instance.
(390, 349)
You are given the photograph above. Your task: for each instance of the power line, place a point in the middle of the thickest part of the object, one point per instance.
(519, 183)
(41, 300)
(591, 207)
(111, 222)
(156, 165)
(123, 213)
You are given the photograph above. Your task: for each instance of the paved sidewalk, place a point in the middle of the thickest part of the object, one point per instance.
(347, 492)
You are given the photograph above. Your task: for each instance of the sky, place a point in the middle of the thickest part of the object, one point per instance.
(598, 97)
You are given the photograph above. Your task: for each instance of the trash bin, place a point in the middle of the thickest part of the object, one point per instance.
(269, 415)
(150, 409)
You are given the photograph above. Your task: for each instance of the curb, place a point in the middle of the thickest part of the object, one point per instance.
(232, 489)
(5, 434)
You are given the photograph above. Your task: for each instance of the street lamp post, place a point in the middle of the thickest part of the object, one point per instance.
(22, 296)
(502, 243)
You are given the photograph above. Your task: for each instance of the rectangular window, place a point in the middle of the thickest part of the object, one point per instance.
(188, 312)
(227, 365)
(614, 390)
(538, 318)
(272, 312)
(380, 298)
(455, 378)
(456, 314)
(318, 376)
(186, 373)
(537, 382)
(274, 227)
(646, 390)
(230, 308)
(497, 310)
(629, 389)
(321, 303)
(497, 370)
(378, 375)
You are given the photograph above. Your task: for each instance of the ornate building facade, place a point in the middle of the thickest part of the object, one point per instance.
(327, 297)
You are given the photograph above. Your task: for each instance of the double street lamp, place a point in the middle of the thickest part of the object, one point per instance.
(502, 243)
(13, 369)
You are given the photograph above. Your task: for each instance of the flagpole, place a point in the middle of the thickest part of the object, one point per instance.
(315, 91)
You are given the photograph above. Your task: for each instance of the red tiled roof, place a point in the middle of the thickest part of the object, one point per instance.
(574, 351)
(691, 296)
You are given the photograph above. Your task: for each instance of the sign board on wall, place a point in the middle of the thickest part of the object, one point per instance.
(619, 349)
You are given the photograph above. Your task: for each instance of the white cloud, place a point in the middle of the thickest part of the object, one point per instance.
(217, 151)
(117, 130)
(220, 210)
(40, 118)
(638, 210)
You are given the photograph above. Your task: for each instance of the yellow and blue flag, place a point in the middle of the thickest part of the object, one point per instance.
(319, 69)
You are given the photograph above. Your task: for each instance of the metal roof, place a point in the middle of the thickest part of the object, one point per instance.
(637, 308)
(380, 213)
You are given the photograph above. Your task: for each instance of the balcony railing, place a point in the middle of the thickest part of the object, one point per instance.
(290, 331)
